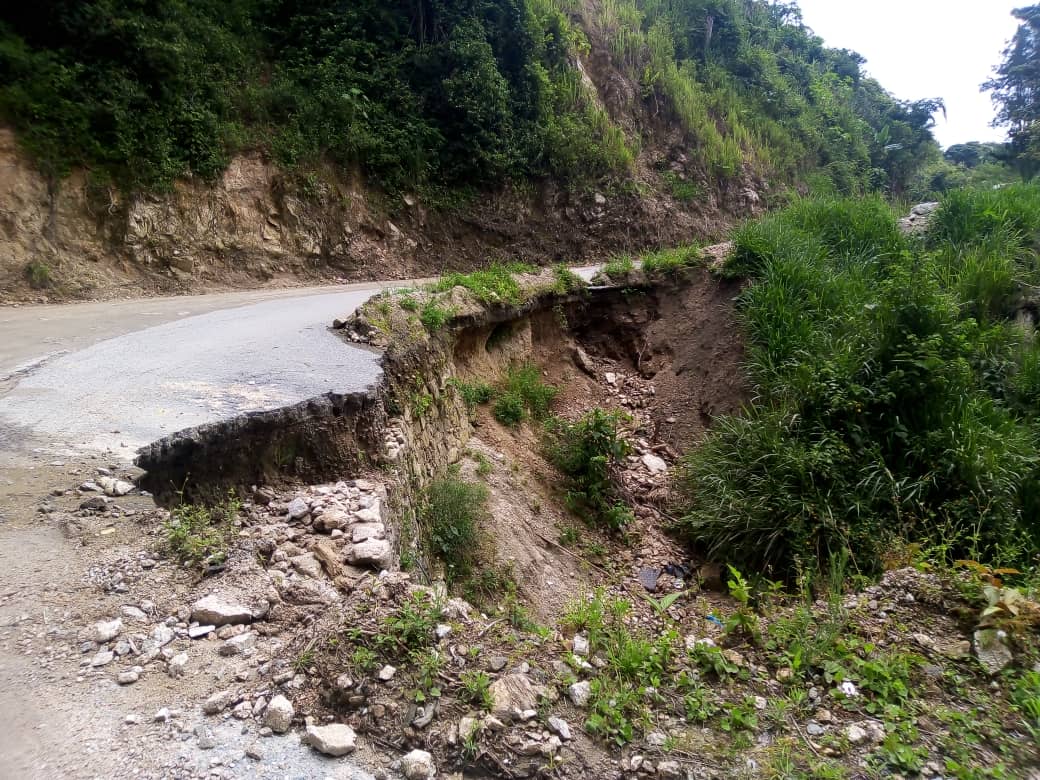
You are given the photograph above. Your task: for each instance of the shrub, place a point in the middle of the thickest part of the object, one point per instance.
(509, 409)
(589, 452)
(452, 510)
(671, 261)
(525, 393)
(474, 393)
(38, 275)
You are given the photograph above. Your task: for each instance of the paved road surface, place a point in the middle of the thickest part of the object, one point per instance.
(116, 376)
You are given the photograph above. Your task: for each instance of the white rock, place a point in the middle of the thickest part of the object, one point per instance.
(242, 710)
(418, 765)
(387, 673)
(855, 735)
(670, 769)
(364, 531)
(218, 702)
(103, 658)
(580, 693)
(611, 378)
(162, 715)
(656, 739)
(198, 632)
(468, 726)
(163, 635)
(298, 508)
(218, 611)
(130, 612)
(336, 739)
(581, 644)
(128, 677)
(559, 726)
(106, 631)
(370, 514)
(177, 665)
(654, 464)
(512, 696)
(237, 645)
(307, 565)
(442, 630)
(279, 714)
(373, 552)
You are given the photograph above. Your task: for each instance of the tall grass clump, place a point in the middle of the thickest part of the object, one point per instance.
(892, 398)
(451, 513)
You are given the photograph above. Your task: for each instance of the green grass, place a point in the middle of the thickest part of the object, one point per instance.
(38, 274)
(495, 284)
(525, 394)
(619, 267)
(892, 399)
(434, 316)
(451, 513)
(671, 261)
(196, 534)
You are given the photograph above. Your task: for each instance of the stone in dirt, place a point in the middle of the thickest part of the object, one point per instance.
(513, 695)
(333, 520)
(584, 362)
(177, 665)
(559, 726)
(95, 504)
(374, 552)
(279, 714)
(418, 765)
(307, 565)
(114, 487)
(219, 611)
(336, 739)
(207, 739)
(580, 693)
(365, 531)
(865, 731)
(991, 650)
(198, 632)
(298, 508)
(128, 677)
(103, 658)
(387, 673)
(655, 464)
(106, 631)
(238, 645)
(218, 702)
(370, 514)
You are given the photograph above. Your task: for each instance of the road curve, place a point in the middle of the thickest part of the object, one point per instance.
(115, 376)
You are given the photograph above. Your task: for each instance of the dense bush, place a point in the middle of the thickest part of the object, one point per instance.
(893, 397)
(525, 394)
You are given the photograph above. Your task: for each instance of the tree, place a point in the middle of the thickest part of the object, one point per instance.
(1016, 91)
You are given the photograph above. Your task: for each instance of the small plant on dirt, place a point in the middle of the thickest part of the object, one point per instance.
(614, 710)
(451, 512)
(427, 670)
(38, 275)
(476, 689)
(740, 717)
(1026, 699)
(699, 704)
(473, 393)
(304, 661)
(743, 619)
(569, 536)
(408, 303)
(197, 534)
(711, 660)
(566, 281)
(434, 316)
(363, 659)
(683, 190)
(525, 393)
(662, 604)
(589, 453)
(409, 628)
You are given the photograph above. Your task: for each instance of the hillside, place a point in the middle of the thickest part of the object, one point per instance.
(184, 145)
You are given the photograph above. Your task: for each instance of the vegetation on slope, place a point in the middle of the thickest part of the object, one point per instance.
(452, 93)
(896, 398)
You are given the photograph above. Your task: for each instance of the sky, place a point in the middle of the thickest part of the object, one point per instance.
(926, 49)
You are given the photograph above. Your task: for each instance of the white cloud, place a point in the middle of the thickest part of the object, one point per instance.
(926, 49)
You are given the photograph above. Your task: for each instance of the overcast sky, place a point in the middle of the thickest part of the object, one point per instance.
(924, 49)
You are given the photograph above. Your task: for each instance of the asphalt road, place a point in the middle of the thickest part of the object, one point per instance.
(115, 376)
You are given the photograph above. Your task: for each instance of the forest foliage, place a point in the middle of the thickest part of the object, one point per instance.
(446, 94)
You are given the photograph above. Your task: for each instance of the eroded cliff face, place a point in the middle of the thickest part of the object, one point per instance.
(259, 226)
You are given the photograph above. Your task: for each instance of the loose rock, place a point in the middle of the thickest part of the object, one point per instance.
(279, 714)
(336, 739)
(418, 765)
